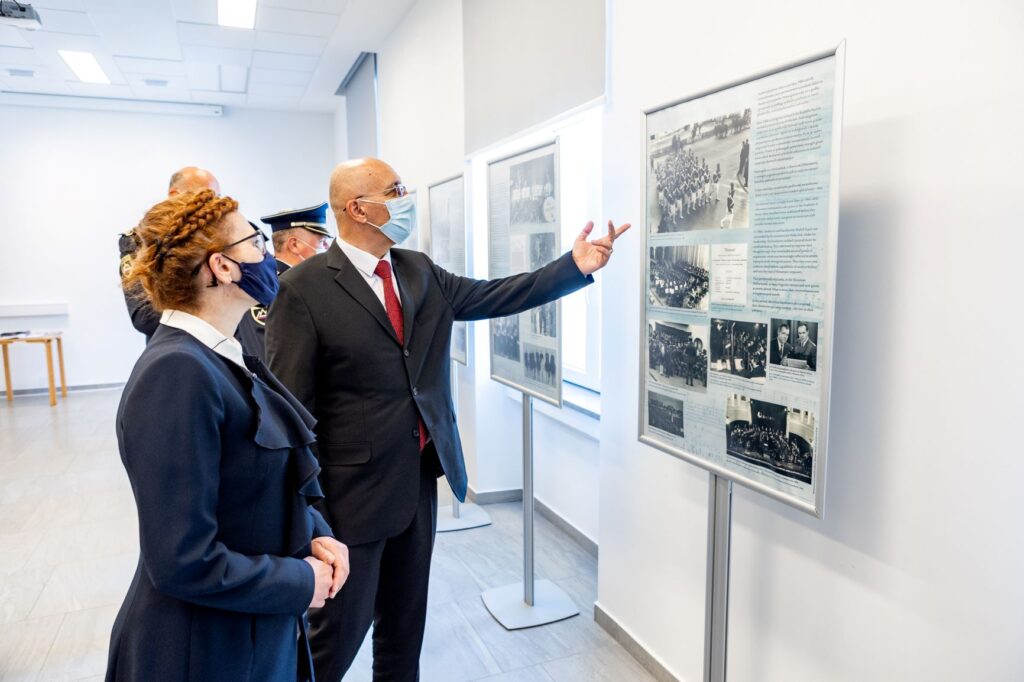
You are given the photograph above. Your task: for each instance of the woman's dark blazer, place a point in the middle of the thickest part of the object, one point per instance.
(219, 462)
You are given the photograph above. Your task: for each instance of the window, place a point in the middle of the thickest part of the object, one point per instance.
(579, 136)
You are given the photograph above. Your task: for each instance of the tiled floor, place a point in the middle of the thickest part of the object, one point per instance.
(68, 550)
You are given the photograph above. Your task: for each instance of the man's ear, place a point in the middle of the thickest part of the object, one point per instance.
(355, 209)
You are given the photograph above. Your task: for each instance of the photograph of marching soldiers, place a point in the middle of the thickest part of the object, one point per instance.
(544, 320)
(532, 185)
(794, 344)
(739, 349)
(774, 437)
(540, 364)
(665, 413)
(679, 277)
(677, 355)
(505, 331)
(698, 175)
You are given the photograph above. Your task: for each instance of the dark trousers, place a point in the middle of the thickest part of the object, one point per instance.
(387, 586)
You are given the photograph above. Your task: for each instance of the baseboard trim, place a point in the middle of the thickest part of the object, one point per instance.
(494, 496)
(645, 658)
(572, 531)
(71, 389)
(516, 495)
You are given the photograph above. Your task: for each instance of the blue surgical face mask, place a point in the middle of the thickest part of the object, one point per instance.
(259, 279)
(403, 218)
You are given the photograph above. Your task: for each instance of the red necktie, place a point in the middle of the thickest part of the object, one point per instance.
(394, 310)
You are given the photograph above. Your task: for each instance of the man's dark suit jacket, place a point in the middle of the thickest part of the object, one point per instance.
(776, 357)
(330, 342)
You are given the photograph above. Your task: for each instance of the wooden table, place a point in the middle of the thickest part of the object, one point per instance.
(47, 340)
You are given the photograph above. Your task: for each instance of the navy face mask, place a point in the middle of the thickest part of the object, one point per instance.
(259, 280)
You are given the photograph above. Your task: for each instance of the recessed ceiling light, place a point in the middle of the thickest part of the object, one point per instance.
(85, 66)
(236, 13)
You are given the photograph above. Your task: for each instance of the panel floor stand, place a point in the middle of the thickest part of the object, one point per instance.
(716, 607)
(529, 603)
(460, 516)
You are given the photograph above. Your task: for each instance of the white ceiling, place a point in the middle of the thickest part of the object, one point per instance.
(174, 51)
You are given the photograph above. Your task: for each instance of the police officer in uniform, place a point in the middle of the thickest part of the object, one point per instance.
(297, 234)
(144, 318)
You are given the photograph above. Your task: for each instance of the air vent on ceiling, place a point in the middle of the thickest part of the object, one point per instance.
(155, 82)
(21, 73)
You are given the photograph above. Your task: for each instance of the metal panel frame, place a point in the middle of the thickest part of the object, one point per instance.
(828, 322)
(465, 247)
(557, 401)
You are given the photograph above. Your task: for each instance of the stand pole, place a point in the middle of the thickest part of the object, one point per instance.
(716, 608)
(460, 516)
(528, 578)
(532, 602)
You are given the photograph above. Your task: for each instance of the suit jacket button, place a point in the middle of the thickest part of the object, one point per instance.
(415, 391)
(415, 433)
(405, 352)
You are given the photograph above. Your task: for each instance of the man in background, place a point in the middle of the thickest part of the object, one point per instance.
(297, 234)
(144, 318)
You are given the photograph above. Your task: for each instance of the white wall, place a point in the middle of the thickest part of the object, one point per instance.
(73, 180)
(915, 572)
(420, 72)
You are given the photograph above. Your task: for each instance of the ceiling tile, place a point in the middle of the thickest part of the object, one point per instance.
(329, 6)
(216, 36)
(137, 29)
(39, 73)
(216, 55)
(33, 85)
(277, 90)
(281, 60)
(160, 94)
(163, 67)
(11, 37)
(98, 90)
(217, 97)
(202, 76)
(60, 21)
(195, 11)
(138, 80)
(71, 5)
(19, 55)
(284, 42)
(234, 78)
(281, 77)
(290, 21)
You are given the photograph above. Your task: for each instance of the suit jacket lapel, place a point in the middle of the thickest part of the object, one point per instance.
(402, 269)
(352, 281)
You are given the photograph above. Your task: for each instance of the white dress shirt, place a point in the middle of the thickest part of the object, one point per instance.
(225, 346)
(366, 263)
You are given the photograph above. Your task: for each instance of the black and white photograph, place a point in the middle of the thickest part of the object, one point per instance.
(771, 436)
(506, 337)
(665, 413)
(794, 343)
(679, 277)
(544, 320)
(542, 249)
(532, 191)
(460, 342)
(677, 355)
(540, 364)
(698, 175)
(739, 349)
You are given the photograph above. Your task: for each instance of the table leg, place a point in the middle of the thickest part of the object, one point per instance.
(49, 372)
(60, 359)
(7, 374)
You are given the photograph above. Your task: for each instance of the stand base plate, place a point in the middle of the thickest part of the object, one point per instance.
(470, 516)
(550, 604)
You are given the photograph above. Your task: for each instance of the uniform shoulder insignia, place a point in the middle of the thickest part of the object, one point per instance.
(259, 315)
(126, 264)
